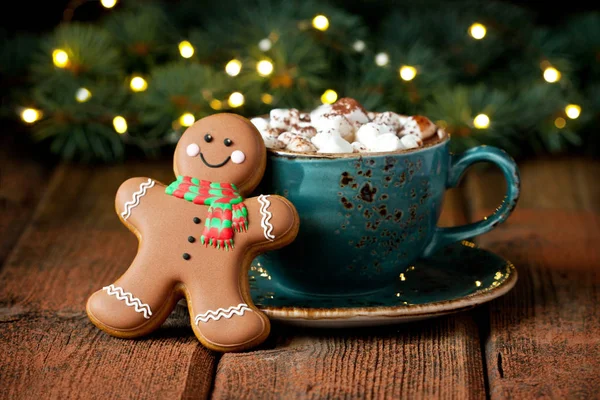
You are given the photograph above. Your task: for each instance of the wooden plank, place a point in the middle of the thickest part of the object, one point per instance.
(75, 245)
(544, 335)
(428, 359)
(559, 183)
(23, 180)
(454, 210)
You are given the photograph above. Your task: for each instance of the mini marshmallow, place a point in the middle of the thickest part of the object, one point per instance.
(304, 117)
(319, 139)
(335, 123)
(317, 112)
(331, 143)
(294, 116)
(420, 126)
(391, 120)
(261, 124)
(387, 142)
(301, 145)
(352, 110)
(359, 147)
(280, 118)
(403, 119)
(286, 137)
(303, 129)
(367, 134)
(273, 143)
(410, 142)
(273, 132)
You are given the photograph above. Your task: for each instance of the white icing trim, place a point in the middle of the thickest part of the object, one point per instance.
(240, 309)
(266, 217)
(131, 301)
(135, 201)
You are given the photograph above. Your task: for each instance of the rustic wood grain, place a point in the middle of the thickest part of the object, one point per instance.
(74, 246)
(559, 183)
(429, 359)
(544, 336)
(23, 179)
(438, 358)
(454, 210)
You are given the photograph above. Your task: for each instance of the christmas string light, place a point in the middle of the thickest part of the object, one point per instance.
(120, 124)
(236, 99)
(551, 75)
(477, 31)
(215, 104)
(560, 122)
(382, 59)
(60, 58)
(408, 72)
(233, 67)
(329, 96)
(82, 95)
(359, 46)
(320, 22)
(30, 115)
(186, 49)
(138, 84)
(266, 98)
(108, 3)
(187, 119)
(481, 121)
(265, 44)
(573, 111)
(264, 67)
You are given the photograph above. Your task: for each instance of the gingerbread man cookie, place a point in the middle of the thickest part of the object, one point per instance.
(197, 238)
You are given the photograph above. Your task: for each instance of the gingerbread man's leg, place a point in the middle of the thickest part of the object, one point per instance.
(223, 315)
(137, 303)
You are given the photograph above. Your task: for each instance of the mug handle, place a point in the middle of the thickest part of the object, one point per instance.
(459, 164)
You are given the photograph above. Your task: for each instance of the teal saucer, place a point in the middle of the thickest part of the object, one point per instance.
(457, 278)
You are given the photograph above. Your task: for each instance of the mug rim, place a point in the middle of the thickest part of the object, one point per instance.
(336, 156)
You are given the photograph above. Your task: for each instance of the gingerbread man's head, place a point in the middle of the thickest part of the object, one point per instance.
(224, 148)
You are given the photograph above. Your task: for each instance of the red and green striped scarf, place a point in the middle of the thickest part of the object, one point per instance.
(226, 212)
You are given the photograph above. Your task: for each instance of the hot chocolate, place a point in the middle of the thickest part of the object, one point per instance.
(345, 127)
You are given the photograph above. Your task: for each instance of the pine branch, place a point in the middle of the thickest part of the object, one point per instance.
(455, 76)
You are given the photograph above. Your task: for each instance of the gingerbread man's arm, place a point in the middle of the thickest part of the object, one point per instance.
(271, 219)
(133, 198)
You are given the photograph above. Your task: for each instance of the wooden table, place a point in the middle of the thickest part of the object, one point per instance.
(61, 240)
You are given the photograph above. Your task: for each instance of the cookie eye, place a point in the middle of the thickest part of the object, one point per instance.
(208, 138)
(227, 142)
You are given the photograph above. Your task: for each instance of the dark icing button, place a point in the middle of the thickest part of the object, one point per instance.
(191, 239)
(186, 256)
(196, 220)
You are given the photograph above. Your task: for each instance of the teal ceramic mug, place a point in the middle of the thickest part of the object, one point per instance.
(364, 218)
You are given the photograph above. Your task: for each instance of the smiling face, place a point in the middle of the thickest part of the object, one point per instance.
(222, 148)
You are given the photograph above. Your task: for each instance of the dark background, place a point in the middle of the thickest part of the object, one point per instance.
(43, 16)
(26, 16)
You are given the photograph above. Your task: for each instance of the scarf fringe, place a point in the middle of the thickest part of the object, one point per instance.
(217, 244)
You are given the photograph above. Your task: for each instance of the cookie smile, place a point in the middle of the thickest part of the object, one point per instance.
(209, 165)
